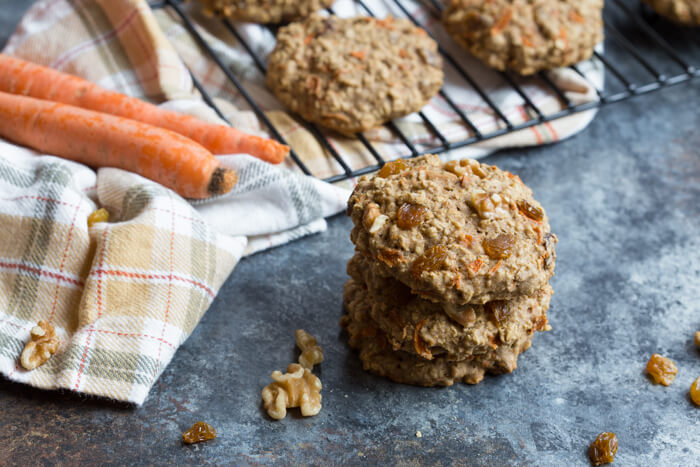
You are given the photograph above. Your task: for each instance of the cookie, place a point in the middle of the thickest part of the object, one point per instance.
(378, 357)
(265, 11)
(422, 327)
(353, 74)
(462, 233)
(526, 36)
(686, 12)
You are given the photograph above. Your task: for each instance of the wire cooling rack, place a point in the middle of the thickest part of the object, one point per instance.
(643, 53)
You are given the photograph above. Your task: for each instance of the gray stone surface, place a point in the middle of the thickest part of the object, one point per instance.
(624, 199)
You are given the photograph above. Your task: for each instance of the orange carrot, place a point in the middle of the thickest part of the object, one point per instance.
(29, 79)
(102, 140)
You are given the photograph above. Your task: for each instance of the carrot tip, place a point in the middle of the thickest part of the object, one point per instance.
(222, 181)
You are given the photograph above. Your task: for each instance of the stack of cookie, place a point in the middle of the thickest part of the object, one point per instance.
(450, 278)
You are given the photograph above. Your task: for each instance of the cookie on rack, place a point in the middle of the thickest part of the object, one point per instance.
(686, 12)
(353, 74)
(265, 11)
(426, 329)
(526, 36)
(458, 233)
(378, 357)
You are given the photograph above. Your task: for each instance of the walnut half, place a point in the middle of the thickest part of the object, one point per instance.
(311, 353)
(43, 344)
(296, 388)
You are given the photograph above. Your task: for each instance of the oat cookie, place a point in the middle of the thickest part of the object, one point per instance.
(461, 233)
(686, 12)
(526, 35)
(265, 11)
(353, 74)
(378, 357)
(423, 328)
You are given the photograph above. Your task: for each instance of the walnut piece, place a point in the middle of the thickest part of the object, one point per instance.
(43, 344)
(296, 388)
(489, 205)
(697, 339)
(311, 353)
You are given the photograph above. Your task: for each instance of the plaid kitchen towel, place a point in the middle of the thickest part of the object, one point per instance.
(124, 295)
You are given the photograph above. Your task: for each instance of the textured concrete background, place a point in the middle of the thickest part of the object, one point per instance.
(624, 199)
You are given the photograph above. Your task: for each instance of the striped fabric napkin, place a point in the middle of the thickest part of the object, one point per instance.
(125, 294)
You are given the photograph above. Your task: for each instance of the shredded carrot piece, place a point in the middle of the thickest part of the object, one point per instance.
(502, 22)
(574, 16)
(308, 39)
(496, 266)
(564, 36)
(474, 266)
(418, 344)
(539, 234)
(526, 41)
(358, 54)
(467, 239)
(403, 53)
(387, 22)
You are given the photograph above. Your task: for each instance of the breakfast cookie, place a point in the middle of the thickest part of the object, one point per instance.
(686, 12)
(421, 327)
(460, 233)
(353, 74)
(526, 35)
(378, 357)
(265, 11)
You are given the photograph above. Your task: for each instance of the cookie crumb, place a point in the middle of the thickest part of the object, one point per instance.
(697, 339)
(419, 434)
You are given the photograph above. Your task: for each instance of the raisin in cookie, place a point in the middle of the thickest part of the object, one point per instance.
(686, 12)
(526, 35)
(424, 328)
(460, 233)
(265, 11)
(377, 356)
(353, 74)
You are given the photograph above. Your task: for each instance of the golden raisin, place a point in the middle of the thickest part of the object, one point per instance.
(499, 310)
(101, 215)
(528, 210)
(393, 168)
(431, 260)
(695, 391)
(410, 215)
(603, 449)
(662, 369)
(199, 432)
(499, 247)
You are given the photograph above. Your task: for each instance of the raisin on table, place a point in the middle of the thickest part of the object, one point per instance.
(603, 449)
(661, 369)
(199, 432)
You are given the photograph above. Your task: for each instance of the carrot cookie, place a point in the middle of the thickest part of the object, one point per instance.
(459, 233)
(686, 12)
(353, 74)
(424, 328)
(527, 36)
(378, 357)
(265, 11)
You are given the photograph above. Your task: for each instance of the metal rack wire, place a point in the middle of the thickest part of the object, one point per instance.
(643, 54)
